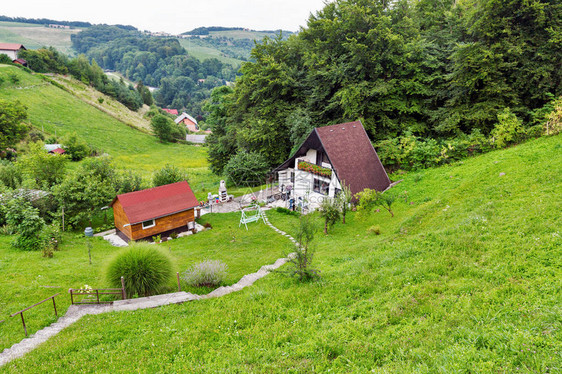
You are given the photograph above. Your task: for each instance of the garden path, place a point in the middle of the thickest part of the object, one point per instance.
(75, 312)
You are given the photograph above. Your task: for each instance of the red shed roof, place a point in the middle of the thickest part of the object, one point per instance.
(140, 206)
(171, 111)
(59, 151)
(11, 46)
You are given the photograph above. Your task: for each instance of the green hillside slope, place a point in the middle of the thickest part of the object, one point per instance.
(467, 277)
(37, 36)
(58, 112)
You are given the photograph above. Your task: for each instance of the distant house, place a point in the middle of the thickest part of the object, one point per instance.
(57, 151)
(20, 61)
(155, 211)
(332, 156)
(51, 147)
(171, 111)
(188, 121)
(11, 50)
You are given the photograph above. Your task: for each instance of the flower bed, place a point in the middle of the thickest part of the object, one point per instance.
(315, 169)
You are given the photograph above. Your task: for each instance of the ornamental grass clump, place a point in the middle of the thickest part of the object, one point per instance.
(145, 269)
(208, 273)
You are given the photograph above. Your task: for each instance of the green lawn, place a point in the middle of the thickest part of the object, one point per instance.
(26, 277)
(467, 277)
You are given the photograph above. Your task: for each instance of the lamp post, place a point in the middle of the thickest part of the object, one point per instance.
(89, 232)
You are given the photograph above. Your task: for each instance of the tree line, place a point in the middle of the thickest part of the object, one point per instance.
(430, 80)
(49, 60)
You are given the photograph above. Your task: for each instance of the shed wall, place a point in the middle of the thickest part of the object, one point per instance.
(163, 224)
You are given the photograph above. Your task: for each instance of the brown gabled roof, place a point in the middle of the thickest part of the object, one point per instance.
(353, 157)
(140, 206)
(351, 154)
(11, 46)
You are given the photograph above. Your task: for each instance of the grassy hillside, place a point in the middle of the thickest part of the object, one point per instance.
(37, 36)
(59, 112)
(467, 277)
(202, 50)
(26, 277)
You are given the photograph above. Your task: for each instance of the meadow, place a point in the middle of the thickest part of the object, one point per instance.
(59, 113)
(36, 36)
(466, 277)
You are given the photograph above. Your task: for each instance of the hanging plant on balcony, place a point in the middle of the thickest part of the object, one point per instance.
(315, 169)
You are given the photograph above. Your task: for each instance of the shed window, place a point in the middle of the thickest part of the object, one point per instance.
(148, 224)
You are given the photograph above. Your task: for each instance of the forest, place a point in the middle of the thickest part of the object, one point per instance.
(183, 81)
(432, 81)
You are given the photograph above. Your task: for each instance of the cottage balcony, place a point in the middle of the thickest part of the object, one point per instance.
(314, 169)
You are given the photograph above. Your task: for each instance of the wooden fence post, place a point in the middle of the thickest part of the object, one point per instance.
(123, 293)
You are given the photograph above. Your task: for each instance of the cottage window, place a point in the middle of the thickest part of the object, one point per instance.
(148, 224)
(321, 187)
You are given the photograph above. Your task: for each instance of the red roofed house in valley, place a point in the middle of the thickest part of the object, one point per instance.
(189, 122)
(330, 157)
(171, 111)
(143, 214)
(11, 49)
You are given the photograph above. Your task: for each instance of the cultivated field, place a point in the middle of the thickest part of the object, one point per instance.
(37, 36)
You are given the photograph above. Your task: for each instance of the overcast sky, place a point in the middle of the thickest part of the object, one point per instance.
(173, 16)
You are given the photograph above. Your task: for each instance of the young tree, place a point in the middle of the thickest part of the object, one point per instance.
(302, 258)
(25, 220)
(368, 199)
(12, 128)
(343, 200)
(329, 210)
(76, 147)
(44, 169)
(162, 128)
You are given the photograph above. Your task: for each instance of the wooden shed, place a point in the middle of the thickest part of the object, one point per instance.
(155, 211)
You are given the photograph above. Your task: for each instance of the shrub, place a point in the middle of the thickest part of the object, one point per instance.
(374, 230)
(287, 211)
(508, 130)
(25, 220)
(168, 174)
(207, 225)
(208, 273)
(76, 147)
(145, 269)
(301, 259)
(553, 124)
(330, 211)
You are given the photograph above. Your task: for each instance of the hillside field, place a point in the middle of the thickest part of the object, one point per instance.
(465, 278)
(34, 36)
(57, 112)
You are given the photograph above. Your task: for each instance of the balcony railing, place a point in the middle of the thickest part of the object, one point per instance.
(314, 169)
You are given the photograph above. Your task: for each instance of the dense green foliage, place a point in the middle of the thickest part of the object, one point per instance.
(183, 81)
(423, 69)
(12, 128)
(50, 61)
(167, 130)
(246, 169)
(24, 220)
(146, 270)
(167, 175)
(466, 279)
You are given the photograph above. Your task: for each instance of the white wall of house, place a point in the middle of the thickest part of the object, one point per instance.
(11, 53)
(304, 182)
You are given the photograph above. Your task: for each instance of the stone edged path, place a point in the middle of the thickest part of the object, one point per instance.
(75, 312)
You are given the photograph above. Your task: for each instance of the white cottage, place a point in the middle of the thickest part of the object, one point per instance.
(11, 49)
(330, 157)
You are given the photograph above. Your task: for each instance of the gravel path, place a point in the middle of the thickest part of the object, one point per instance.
(75, 312)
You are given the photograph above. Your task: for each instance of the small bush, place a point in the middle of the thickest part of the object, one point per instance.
(207, 273)
(146, 270)
(207, 225)
(286, 211)
(374, 230)
(174, 235)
